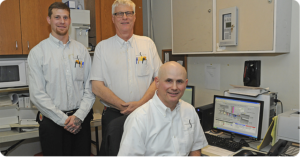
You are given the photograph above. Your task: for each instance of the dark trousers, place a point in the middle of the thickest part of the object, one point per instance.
(108, 115)
(56, 141)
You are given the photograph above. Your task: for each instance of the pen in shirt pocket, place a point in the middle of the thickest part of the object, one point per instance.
(190, 122)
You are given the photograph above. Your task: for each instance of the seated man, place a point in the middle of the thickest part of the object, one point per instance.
(165, 125)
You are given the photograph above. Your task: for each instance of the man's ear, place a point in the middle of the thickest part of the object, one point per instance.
(112, 18)
(156, 81)
(48, 19)
(134, 18)
(186, 82)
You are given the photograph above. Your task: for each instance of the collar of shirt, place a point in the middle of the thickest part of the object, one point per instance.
(162, 108)
(123, 42)
(58, 42)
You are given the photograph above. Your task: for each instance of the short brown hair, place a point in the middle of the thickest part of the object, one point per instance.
(57, 5)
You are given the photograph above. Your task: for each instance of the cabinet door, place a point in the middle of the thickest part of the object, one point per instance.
(35, 27)
(138, 26)
(255, 24)
(107, 27)
(10, 30)
(192, 23)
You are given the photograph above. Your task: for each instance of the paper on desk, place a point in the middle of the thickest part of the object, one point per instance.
(20, 126)
(9, 99)
(5, 127)
(28, 129)
(273, 133)
(268, 137)
(5, 100)
(216, 151)
(246, 90)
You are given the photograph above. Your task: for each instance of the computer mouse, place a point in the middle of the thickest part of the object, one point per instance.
(248, 153)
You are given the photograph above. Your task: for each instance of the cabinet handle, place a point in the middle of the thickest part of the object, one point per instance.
(16, 45)
(28, 44)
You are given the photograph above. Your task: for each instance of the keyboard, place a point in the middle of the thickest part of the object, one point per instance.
(224, 143)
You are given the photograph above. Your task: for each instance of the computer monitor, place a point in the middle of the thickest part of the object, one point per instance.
(189, 95)
(238, 116)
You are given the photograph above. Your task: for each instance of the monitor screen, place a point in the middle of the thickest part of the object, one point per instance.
(189, 94)
(239, 116)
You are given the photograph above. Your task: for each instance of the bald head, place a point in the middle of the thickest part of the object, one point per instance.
(171, 83)
(171, 66)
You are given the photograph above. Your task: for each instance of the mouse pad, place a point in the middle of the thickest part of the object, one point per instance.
(244, 152)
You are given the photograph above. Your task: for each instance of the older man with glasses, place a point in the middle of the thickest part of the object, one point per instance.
(124, 67)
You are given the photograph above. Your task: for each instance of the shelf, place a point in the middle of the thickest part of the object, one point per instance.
(5, 90)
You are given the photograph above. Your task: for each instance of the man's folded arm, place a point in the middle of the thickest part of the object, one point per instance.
(107, 95)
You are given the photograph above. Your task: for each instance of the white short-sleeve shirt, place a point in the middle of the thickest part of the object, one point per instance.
(126, 68)
(154, 130)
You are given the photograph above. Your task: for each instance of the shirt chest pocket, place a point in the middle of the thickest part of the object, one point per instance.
(78, 72)
(142, 65)
(188, 126)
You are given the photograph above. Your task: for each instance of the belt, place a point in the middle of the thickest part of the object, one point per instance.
(70, 113)
(111, 108)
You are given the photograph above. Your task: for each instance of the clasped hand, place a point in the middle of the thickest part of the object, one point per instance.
(73, 124)
(130, 107)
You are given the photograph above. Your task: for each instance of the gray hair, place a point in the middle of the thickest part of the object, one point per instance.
(123, 2)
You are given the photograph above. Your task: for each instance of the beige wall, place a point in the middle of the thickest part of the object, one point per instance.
(98, 106)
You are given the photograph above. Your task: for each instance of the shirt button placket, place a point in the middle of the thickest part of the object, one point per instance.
(129, 68)
(68, 76)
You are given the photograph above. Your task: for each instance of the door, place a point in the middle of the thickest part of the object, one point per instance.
(10, 29)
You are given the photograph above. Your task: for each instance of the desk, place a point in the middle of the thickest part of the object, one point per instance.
(217, 151)
(14, 135)
(205, 151)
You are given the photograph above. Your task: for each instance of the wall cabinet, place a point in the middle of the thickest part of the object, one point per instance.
(102, 26)
(264, 26)
(23, 25)
(192, 23)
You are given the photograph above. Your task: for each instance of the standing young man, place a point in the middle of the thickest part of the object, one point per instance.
(124, 67)
(59, 85)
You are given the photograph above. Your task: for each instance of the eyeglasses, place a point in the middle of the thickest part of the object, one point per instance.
(121, 14)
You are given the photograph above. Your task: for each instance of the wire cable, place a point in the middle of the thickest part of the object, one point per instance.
(277, 100)
(281, 106)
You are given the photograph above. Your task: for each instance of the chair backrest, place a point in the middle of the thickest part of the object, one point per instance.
(114, 136)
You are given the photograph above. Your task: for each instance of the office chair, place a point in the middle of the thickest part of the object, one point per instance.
(114, 136)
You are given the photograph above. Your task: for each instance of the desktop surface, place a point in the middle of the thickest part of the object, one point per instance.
(212, 150)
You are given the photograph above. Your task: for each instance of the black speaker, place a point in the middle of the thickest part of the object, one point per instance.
(252, 73)
(206, 116)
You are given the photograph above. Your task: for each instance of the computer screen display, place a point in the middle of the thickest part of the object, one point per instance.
(189, 94)
(239, 116)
